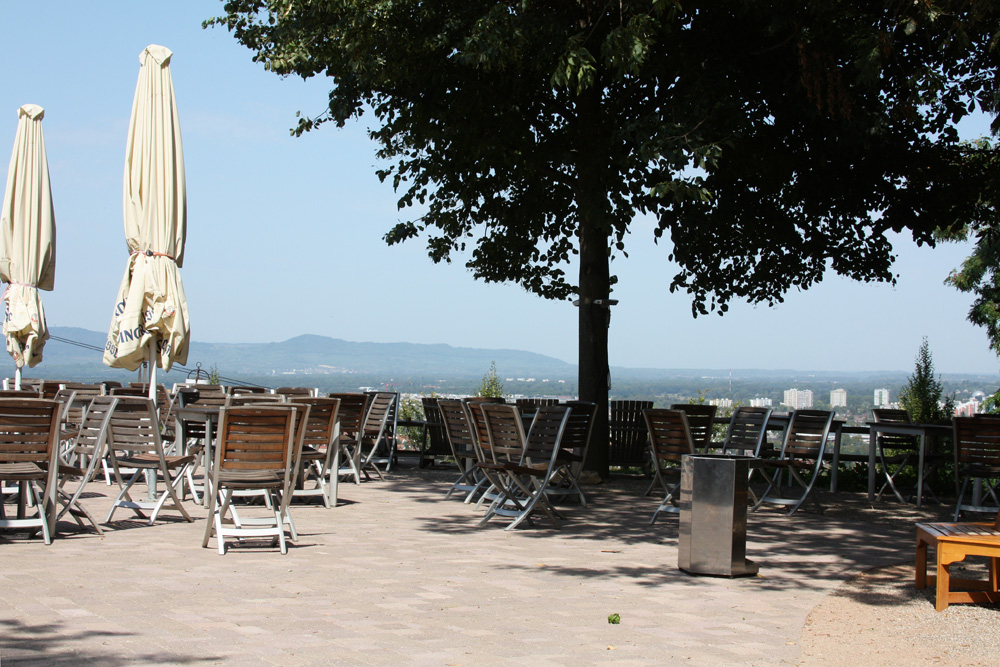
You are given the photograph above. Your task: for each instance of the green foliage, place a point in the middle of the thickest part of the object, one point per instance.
(991, 405)
(411, 409)
(921, 395)
(979, 273)
(491, 385)
(521, 130)
(614, 619)
(214, 377)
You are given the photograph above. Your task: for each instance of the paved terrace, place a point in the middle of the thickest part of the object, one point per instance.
(397, 575)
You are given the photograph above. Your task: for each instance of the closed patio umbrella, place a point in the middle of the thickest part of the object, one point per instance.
(28, 251)
(150, 319)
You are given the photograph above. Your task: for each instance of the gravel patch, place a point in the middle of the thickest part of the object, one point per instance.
(879, 617)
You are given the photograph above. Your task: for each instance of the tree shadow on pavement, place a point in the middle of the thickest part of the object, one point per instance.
(52, 644)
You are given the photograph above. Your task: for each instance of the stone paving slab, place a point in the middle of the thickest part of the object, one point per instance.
(397, 575)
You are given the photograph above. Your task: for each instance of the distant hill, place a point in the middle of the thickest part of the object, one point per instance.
(312, 355)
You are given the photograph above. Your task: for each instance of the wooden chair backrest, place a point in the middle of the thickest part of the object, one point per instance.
(669, 434)
(29, 431)
(504, 431)
(533, 403)
(94, 426)
(241, 389)
(86, 388)
(134, 426)
(19, 393)
(628, 433)
(49, 388)
(701, 422)
(977, 441)
(457, 429)
(257, 438)
(296, 392)
(747, 431)
(579, 427)
(205, 395)
(253, 399)
(548, 431)
(894, 440)
(379, 409)
(438, 442)
(351, 412)
(71, 413)
(805, 437)
(476, 419)
(320, 426)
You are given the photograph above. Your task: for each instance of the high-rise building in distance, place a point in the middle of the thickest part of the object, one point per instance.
(881, 397)
(838, 398)
(798, 399)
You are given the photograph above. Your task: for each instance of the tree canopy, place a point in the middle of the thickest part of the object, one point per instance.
(770, 140)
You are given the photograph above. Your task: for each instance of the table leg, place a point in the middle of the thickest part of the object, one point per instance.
(872, 437)
(836, 461)
(920, 467)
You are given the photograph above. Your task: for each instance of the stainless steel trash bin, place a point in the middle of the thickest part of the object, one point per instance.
(713, 516)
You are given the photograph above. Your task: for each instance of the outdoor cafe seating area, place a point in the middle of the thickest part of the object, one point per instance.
(246, 458)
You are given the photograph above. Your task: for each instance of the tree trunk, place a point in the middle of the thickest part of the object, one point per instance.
(595, 274)
(595, 285)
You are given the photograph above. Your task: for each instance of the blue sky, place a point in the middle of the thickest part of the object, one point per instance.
(285, 234)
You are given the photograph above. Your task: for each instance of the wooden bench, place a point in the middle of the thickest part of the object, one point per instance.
(953, 542)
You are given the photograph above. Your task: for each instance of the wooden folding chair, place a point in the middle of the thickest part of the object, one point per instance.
(320, 454)
(351, 417)
(459, 434)
(801, 457)
(29, 441)
(977, 462)
(573, 452)
(669, 440)
(374, 448)
(257, 450)
(746, 435)
(896, 452)
(78, 461)
(481, 443)
(701, 421)
(629, 445)
(527, 466)
(135, 443)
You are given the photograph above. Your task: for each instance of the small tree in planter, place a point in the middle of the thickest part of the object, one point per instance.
(491, 386)
(921, 395)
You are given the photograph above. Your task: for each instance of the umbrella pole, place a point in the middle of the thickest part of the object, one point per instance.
(151, 474)
(152, 370)
(17, 378)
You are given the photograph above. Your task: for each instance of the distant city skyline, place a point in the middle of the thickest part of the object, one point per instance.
(285, 234)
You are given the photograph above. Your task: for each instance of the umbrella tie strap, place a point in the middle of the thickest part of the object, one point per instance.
(153, 253)
(3, 296)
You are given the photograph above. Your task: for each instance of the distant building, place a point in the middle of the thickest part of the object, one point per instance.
(838, 398)
(724, 403)
(761, 402)
(968, 408)
(881, 398)
(798, 399)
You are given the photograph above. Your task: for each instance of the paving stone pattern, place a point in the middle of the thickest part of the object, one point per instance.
(397, 575)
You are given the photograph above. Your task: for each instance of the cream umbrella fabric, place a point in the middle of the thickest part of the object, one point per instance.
(151, 309)
(28, 253)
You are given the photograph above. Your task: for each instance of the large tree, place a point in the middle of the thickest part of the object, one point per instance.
(770, 140)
